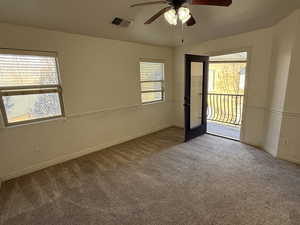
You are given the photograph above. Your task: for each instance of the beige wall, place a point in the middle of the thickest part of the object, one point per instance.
(289, 142)
(100, 80)
(259, 45)
(283, 44)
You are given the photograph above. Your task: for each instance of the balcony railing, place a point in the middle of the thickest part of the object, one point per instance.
(225, 108)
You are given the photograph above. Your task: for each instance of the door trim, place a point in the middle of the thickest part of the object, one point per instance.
(249, 50)
(198, 131)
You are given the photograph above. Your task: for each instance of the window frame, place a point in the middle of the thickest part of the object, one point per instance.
(163, 89)
(33, 89)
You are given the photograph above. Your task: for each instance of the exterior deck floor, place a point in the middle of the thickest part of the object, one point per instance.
(224, 130)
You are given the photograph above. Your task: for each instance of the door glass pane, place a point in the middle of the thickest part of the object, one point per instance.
(30, 107)
(196, 94)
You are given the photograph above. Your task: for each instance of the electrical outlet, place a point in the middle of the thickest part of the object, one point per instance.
(37, 149)
(284, 141)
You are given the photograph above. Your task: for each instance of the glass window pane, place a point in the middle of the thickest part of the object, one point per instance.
(196, 94)
(241, 56)
(151, 97)
(151, 86)
(229, 78)
(30, 107)
(26, 70)
(151, 71)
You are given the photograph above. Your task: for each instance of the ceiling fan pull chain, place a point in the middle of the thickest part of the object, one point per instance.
(182, 33)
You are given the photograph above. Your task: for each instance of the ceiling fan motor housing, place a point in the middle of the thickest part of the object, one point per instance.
(176, 3)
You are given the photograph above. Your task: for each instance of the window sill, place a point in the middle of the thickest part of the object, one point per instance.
(34, 122)
(154, 102)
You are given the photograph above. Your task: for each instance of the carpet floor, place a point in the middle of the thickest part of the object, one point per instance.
(158, 180)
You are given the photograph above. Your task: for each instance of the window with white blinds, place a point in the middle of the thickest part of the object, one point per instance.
(30, 88)
(152, 81)
(26, 70)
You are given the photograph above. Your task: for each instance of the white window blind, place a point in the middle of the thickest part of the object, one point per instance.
(152, 71)
(30, 88)
(26, 70)
(152, 81)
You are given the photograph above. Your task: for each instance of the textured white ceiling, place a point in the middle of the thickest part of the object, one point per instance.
(93, 17)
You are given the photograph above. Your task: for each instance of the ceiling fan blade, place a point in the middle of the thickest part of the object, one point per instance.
(148, 3)
(161, 12)
(212, 2)
(191, 21)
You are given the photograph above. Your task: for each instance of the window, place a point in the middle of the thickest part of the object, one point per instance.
(152, 81)
(229, 73)
(30, 87)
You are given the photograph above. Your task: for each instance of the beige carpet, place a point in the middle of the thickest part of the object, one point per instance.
(158, 180)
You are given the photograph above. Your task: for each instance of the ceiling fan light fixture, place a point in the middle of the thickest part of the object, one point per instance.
(184, 14)
(171, 16)
(176, 10)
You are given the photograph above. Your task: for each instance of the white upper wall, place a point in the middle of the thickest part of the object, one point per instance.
(284, 34)
(294, 78)
(289, 141)
(101, 90)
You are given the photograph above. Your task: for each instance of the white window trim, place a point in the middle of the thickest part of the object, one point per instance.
(163, 90)
(36, 89)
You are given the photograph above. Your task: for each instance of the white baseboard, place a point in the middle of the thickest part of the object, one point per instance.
(75, 155)
(292, 160)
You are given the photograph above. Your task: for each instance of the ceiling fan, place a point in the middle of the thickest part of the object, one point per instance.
(175, 10)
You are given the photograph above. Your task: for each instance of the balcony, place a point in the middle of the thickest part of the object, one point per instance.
(224, 114)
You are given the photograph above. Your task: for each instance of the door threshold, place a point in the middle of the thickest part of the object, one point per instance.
(220, 136)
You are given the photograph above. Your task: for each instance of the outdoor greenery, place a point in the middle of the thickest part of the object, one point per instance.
(226, 92)
(227, 78)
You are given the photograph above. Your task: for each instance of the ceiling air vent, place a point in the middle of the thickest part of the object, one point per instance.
(121, 22)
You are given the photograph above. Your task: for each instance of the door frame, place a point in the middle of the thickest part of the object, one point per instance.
(200, 130)
(248, 73)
